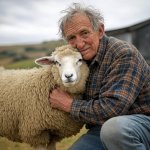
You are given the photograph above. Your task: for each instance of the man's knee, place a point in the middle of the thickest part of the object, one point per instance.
(114, 129)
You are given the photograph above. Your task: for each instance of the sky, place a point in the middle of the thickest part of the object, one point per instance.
(35, 21)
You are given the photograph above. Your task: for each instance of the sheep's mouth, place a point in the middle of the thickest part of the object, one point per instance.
(69, 83)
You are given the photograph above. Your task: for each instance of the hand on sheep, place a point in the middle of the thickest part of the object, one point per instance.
(60, 100)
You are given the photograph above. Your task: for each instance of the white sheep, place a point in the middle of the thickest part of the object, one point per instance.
(25, 112)
(2, 68)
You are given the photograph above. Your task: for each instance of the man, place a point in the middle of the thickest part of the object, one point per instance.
(116, 103)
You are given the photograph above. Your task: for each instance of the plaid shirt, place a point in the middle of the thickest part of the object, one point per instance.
(118, 84)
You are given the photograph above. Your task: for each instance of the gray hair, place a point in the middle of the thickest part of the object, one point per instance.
(94, 16)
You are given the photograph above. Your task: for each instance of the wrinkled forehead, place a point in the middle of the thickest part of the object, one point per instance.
(76, 23)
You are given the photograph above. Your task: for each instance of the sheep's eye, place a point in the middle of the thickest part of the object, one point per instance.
(79, 61)
(57, 63)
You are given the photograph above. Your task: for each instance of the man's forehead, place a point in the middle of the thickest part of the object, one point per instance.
(80, 18)
(76, 25)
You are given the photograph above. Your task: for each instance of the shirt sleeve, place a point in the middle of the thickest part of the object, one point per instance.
(121, 86)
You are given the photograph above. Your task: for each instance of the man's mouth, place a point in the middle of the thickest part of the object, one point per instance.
(84, 51)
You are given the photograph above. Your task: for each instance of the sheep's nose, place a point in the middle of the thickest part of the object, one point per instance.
(68, 76)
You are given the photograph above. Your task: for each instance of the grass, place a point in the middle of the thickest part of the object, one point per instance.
(5, 144)
(21, 64)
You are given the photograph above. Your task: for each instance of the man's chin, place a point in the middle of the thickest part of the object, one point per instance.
(86, 56)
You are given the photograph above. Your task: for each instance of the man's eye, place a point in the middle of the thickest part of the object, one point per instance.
(70, 38)
(84, 33)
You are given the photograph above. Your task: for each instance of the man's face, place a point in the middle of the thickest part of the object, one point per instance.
(80, 34)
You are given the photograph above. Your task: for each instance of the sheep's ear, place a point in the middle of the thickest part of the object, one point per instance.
(44, 60)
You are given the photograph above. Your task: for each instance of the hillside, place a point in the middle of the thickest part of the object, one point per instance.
(15, 53)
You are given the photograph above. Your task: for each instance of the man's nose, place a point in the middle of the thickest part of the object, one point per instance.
(80, 43)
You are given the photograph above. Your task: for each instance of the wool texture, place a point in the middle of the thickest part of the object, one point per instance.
(26, 114)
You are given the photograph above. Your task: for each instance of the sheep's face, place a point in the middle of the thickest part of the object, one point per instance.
(68, 66)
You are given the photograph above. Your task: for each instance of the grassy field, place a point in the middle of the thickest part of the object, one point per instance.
(5, 144)
(21, 64)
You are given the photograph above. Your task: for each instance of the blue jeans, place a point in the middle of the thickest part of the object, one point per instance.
(131, 132)
(89, 141)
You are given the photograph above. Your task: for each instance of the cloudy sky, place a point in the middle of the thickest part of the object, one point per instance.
(33, 21)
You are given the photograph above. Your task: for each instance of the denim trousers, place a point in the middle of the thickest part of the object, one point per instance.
(129, 132)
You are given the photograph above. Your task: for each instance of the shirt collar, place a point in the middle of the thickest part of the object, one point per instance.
(101, 51)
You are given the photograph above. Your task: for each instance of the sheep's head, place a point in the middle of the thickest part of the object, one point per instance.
(68, 62)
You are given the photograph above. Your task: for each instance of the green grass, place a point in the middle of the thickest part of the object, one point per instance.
(21, 64)
(5, 144)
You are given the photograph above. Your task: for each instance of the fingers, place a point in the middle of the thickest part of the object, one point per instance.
(60, 99)
(53, 93)
(59, 90)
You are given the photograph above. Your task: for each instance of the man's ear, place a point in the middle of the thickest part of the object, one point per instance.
(101, 31)
(47, 60)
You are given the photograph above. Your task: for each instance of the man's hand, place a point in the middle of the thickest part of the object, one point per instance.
(60, 100)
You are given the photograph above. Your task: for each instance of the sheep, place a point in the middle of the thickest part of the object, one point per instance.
(2, 68)
(25, 112)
